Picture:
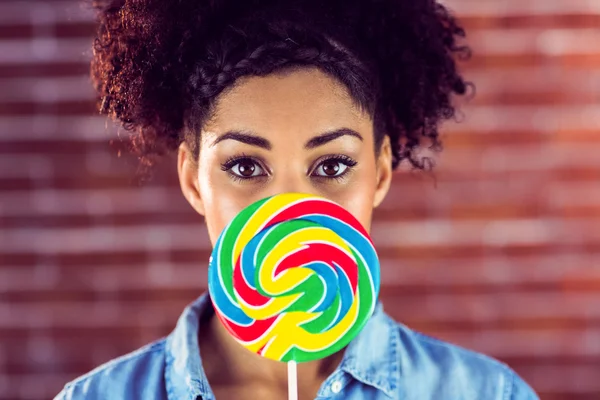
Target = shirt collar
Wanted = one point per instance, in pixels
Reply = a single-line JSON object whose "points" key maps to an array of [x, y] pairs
{"points": [[184, 375], [371, 358]]}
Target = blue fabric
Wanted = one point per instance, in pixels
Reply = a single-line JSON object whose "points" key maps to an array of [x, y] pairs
{"points": [[386, 360]]}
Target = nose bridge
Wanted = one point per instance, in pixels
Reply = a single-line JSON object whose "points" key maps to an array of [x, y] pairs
{"points": [[291, 177], [292, 182]]}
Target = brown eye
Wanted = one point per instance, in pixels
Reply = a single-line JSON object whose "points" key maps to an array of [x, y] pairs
{"points": [[243, 168], [331, 167], [246, 168], [334, 167]]}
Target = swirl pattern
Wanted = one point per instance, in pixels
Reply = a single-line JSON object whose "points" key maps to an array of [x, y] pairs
{"points": [[294, 277]]}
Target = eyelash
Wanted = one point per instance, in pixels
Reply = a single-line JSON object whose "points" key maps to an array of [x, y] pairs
{"points": [[232, 161]]}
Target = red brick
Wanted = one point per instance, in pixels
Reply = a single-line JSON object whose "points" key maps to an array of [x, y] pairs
{"points": [[499, 253], [516, 7], [45, 49]]}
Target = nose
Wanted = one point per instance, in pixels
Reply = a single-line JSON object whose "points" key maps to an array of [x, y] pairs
{"points": [[292, 181]]}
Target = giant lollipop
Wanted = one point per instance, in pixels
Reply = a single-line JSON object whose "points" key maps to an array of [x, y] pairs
{"points": [[294, 277]]}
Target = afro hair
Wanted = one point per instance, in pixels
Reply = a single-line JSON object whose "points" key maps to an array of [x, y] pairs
{"points": [[159, 65]]}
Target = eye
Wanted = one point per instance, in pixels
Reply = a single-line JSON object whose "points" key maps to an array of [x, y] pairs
{"points": [[243, 167], [334, 167]]}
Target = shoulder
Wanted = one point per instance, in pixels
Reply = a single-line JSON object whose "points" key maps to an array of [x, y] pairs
{"points": [[137, 375], [443, 368]]}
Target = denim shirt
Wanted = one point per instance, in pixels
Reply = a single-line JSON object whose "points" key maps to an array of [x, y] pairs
{"points": [[386, 360]]}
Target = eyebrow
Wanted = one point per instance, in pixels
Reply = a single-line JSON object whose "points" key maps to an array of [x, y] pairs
{"points": [[253, 139]]}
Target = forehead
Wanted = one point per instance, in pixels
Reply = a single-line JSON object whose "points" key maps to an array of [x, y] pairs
{"points": [[299, 102]]}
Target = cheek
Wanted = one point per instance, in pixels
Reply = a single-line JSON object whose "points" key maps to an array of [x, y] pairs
{"points": [[358, 197], [361, 206], [220, 210], [221, 203]]}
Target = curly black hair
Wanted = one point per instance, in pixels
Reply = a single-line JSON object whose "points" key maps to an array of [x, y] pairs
{"points": [[159, 65]]}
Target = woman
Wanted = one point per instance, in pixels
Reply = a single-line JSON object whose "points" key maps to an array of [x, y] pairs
{"points": [[262, 97]]}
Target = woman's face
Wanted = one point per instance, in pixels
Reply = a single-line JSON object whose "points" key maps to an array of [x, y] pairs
{"points": [[293, 132]]}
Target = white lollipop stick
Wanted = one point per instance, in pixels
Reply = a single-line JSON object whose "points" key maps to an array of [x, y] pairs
{"points": [[292, 381]]}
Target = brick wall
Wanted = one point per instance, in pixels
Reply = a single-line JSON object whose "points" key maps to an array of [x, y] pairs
{"points": [[503, 256]]}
